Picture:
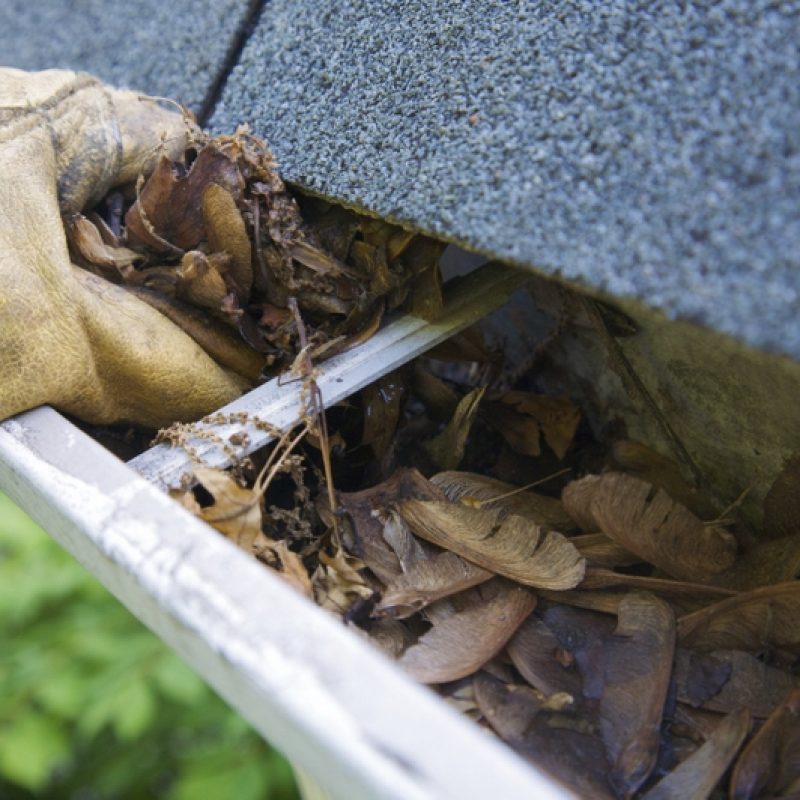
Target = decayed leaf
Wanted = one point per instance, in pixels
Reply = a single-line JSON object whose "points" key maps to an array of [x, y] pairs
{"points": [[782, 503], [337, 582], [289, 565], [695, 777], [762, 618], [447, 449], [661, 531], [770, 764], [510, 546], [428, 580], [489, 492], [533, 650], [462, 642], [574, 758], [236, 511], [521, 417], [638, 663], [726, 680]]}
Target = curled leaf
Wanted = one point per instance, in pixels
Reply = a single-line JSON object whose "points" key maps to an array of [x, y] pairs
{"points": [[428, 580], [655, 527], [461, 642], [236, 511], [510, 546]]}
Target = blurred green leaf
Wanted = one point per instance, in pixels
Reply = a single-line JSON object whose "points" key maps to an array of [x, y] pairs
{"points": [[93, 705], [30, 749]]}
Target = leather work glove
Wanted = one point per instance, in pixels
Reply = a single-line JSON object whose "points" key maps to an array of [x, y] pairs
{"points": [[68, 337]]}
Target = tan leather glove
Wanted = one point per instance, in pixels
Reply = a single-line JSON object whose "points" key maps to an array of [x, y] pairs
{"points": [[67, 337]]}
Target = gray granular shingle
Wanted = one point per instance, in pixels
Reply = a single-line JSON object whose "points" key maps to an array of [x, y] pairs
{"points": [[173, 48], [647, 149]]}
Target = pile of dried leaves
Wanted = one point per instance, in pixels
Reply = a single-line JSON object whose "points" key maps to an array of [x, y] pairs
{"points": [[603, 625], [217, 244], [611, 626]]}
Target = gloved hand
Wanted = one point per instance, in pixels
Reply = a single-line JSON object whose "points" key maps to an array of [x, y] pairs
{"points": [[67, 337]]}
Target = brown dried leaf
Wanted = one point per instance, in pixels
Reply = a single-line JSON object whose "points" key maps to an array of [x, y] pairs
{"points": [[236, 511], [755, 620], [646, 464], [695, 777], [533, 650], [598, 578], [368, 508], [168, 213], [574, 758], [599, 549], [337, 582], [458, 645], [226, 233], [638, 663], [439, 398], [391, 636], [200, 279], [766, 563], [770, 764], [289, 565], [89, 244], [782, 503], [726, 680], [382, 401], [661, 531], [447, 449], [510, 546], [428, 580], [538, 508], [520, 417]]}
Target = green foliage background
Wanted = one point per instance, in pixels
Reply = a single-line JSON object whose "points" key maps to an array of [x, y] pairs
{"points": [[94, 707]]}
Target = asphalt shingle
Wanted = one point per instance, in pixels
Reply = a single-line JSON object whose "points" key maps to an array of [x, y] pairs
{"points": [[645, 149]]}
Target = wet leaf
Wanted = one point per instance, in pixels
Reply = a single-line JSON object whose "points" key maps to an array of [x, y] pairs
{"points": [[726, 680], [696, 777], [510, 546], [782, 503], [236, 511], [447, 449], [661, 531], [522, 417], [756, 620], [428, 580], [638, 662], [770, 764], [460, 643], [489, 492]]}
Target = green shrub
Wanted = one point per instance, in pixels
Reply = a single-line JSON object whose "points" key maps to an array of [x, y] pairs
{"points": [[94, 707]]}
